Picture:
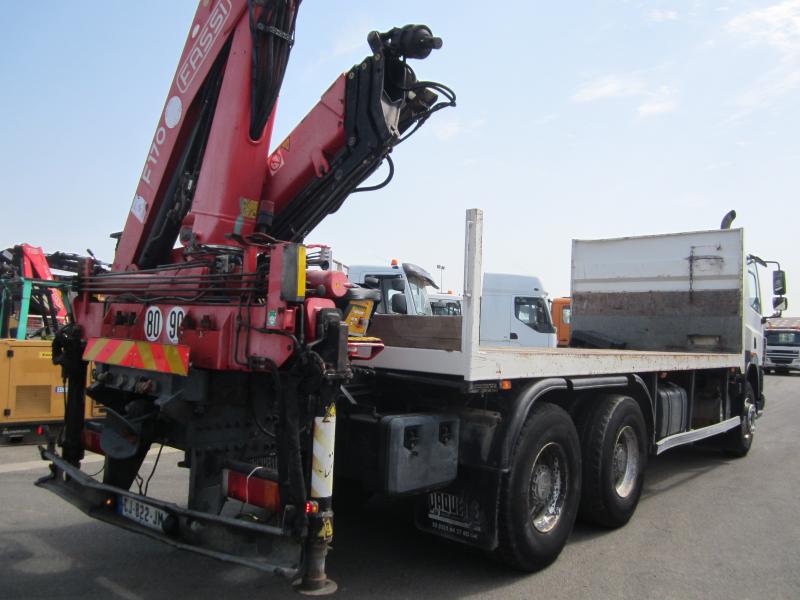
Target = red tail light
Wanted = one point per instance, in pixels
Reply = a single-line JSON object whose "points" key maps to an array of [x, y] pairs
{"points": [[251, 490], [91, 441]]}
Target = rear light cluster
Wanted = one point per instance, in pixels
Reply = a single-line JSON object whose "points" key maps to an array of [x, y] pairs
{"points": [[251, 489], [91, 441]]}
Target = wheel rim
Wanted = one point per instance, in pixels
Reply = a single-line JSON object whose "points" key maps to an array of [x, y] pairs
{"points": [[748, 419], [548, 487], [626, 461]]}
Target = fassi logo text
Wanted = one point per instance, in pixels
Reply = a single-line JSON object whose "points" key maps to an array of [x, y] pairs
{"points": [[197, 55]]}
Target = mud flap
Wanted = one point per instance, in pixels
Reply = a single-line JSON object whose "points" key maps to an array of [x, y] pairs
{"points": [[465, 511]]}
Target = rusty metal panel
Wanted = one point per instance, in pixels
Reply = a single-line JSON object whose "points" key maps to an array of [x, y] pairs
{"points": [[413, 331], [707, 321]]}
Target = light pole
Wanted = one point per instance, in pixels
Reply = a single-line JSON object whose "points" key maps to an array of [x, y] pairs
{"points": [[441, 276]]}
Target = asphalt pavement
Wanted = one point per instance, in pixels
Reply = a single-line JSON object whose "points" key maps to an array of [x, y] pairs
{"points": [[707, 526]]}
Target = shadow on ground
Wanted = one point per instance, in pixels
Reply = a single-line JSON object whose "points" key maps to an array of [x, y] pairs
{"points": [[377, 552]]}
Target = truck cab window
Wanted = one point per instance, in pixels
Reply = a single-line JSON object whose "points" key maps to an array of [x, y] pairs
{"points": [[783, 338], [566, 314], [416, 287], [387, 291], [533, 312], [753, 289]]}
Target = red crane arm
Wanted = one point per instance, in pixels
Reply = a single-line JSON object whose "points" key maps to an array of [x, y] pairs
{"points": [[206, 164]]}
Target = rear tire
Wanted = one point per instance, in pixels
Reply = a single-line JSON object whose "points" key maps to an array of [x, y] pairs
{"points": [[539, 497], [614, 446]]}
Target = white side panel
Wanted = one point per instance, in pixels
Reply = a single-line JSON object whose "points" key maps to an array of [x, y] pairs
{"points": [[515, 363], [704, 260], [421, 360]]}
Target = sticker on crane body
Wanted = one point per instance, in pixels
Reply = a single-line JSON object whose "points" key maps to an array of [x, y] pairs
{"points": [[326, 530], [153, 323], [275, 162], [173, 112], [174, 320], [139, 208]]}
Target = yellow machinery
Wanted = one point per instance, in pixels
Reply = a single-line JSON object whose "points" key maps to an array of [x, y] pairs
{"points": [[31, 389]]}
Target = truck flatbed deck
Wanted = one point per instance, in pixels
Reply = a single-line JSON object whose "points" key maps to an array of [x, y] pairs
{"points": [[489, 362], [451, 346], [515, 363]]}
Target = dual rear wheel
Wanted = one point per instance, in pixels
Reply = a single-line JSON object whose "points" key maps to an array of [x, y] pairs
{"points": [[559, 471]]}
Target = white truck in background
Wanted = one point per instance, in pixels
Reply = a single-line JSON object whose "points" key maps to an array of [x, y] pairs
{"points": [[514, 310], [403, 287], [783, 345], [446, 305]]}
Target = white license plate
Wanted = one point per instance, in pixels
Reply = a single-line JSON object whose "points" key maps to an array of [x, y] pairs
{"points": [[147, 515]]}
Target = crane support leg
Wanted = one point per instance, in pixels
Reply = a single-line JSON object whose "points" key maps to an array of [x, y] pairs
{"points": [[67, 352], [320, 508]]}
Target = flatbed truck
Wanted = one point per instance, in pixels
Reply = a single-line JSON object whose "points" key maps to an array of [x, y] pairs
{"points": [[546, 434], [218, 331]]}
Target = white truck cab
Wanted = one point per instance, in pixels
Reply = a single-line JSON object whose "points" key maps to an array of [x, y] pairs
{"points": [[783, 345], [514, 312], [446, 304], [403, 287]]}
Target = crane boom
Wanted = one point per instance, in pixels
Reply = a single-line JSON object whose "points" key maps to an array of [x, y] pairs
{"points": [[217, 331]]}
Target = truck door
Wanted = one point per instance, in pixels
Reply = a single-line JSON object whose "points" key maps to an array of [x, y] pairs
{"points": [[753, 309], [530, 324], [495, 309]]}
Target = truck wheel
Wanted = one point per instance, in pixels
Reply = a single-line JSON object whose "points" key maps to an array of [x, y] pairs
{"points": [[614, 447], [737, 441], [539, 498]]}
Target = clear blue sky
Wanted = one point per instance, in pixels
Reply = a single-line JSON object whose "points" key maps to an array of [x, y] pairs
{"points": [[574, 120]]}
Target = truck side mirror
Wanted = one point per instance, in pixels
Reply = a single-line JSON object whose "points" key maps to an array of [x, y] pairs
{"points": [[780, 304], [778, 282], [399, 305], [399, 285]]}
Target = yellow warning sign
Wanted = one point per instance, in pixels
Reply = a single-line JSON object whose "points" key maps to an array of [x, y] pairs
{"points": [[326, 531], [248, 208]]}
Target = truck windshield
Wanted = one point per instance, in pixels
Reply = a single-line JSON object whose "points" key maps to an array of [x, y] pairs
{"points": [[449, 308], [533, 312], [416, 287], [783, 338]]}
